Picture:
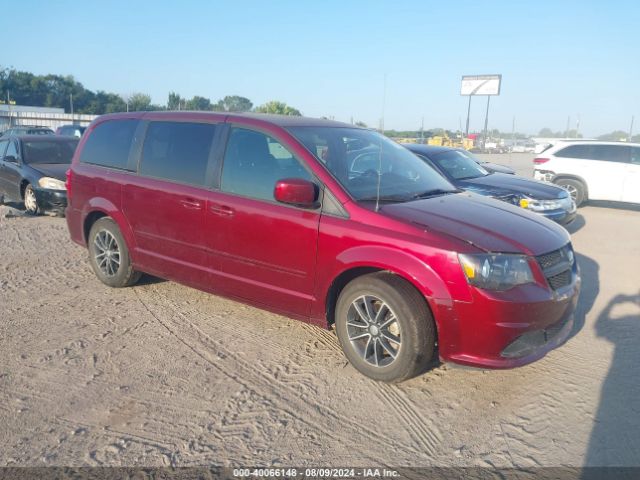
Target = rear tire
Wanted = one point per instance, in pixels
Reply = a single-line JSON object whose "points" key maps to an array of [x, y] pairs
{"points": [[385, 327], [575, 188], [109, 255]]}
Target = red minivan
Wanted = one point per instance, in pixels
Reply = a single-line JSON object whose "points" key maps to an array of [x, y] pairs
{"points": [[328, 223]]}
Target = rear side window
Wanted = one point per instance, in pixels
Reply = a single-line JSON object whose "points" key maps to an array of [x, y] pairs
{"points": [[635, 155], [109, 144], [575, 151], [177, 151], [611, 153]]}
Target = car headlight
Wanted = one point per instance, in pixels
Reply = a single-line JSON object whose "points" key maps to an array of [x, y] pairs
{"points": [[545, 205], [499, 271], [52, 183]]}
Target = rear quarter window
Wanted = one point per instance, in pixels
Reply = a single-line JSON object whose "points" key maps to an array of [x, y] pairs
{"points": [[177, 151], [575, 151], [109, 144]]}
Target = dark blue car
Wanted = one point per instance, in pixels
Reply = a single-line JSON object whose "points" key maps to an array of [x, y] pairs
{"points": [[32, 170], [465, 173]]}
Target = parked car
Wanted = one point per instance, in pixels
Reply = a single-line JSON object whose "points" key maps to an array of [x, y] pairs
{"points": [[489, 166], [547, 200], [592, 170], [71, 130], [27, 130], [32, 169], [269, 210]]}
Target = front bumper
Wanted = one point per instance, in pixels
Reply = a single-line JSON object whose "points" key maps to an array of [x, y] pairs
{"points": [[51, 199], [507, 329], [563, 217]]}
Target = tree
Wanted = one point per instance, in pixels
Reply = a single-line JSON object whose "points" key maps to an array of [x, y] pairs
{"points": [[139, 102], [174, 102], [234, 103], [547, 132], [361, 124], [278, 108], [199, 103], [614, 136]]}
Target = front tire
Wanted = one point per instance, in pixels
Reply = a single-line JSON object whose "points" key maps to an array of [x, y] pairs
{"points": [[30, 201], [109, 255], [575, 188], [385, 327]]}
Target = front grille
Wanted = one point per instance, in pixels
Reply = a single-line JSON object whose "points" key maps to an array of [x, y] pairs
{"points": [[550, 259], [558, 266], [560, 280]]}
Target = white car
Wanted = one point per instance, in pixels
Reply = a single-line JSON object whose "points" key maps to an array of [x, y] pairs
{"points": [[592, 170]]}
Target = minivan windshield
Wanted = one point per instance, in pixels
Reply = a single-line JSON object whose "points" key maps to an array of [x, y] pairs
{"points": [[43, 151], [370, 166], [459, 165]]}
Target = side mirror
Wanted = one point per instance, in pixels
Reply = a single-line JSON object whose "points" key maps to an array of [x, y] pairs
{"points": [[10, 159], [296, 191]]}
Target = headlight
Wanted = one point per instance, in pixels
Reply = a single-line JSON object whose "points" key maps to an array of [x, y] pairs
{"points": [[51, 183], [498, 271], [546, 205]]}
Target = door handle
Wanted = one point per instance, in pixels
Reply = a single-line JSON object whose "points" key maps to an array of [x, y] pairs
{"points": [[191, 204], [222, 210]]}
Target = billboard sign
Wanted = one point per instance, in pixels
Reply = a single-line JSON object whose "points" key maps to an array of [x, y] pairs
{"points": [[480, 85]]}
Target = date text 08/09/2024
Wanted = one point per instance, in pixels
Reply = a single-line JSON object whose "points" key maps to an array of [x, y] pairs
{"points": [[314, 473]]}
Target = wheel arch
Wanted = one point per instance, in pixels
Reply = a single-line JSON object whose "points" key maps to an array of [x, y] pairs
{"points": [[99, 208], [569, 176], [416, 273]]}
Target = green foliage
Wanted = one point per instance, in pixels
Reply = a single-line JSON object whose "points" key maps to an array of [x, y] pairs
{"points": [[548, 133], [615, 136], [139, 102], [199, 103], [278, 108], [234, 103]]}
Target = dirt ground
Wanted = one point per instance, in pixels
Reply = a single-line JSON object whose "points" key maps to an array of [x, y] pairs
{"points": [[162, 374]]}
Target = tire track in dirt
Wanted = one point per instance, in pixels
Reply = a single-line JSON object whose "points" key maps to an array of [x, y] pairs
{"points": [[426, 435], [307, 412]]}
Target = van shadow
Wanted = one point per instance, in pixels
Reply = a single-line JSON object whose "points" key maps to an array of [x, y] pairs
{"points": [[615, 438], [576, 225], [147, 279], [589, 290]]}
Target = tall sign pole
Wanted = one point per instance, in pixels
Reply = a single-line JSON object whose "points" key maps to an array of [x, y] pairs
{"points": [[480, 85], [466, 132], [486, 123]]}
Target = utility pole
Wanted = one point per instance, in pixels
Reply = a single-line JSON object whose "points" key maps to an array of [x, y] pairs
{"points": [[578, 126], [566, 132], [631, 128]]}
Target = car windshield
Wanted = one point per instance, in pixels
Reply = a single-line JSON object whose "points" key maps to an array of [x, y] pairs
{"points": [[370, 166], [459, 165], [49, 152]]}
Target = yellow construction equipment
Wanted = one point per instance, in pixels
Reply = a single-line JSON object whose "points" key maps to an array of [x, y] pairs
{"points": [[446, 141]]}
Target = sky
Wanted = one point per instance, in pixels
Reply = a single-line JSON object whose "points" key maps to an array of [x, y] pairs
{"points": [[349, 59]]}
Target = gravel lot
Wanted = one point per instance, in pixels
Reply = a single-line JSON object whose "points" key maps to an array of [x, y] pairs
{"points": [[161, 374]]}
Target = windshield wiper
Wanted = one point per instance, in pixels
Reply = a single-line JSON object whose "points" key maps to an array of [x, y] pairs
{"points": [[433, 193], [385, 199]]}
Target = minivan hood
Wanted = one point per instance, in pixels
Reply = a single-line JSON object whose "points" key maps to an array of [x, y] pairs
{"points": [[53, 170], [503, 183], [489, 224]]}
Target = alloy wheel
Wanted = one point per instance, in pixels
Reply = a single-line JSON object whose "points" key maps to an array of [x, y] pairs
{"points": [[373, 330], [30, 201], [107, 253]]}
